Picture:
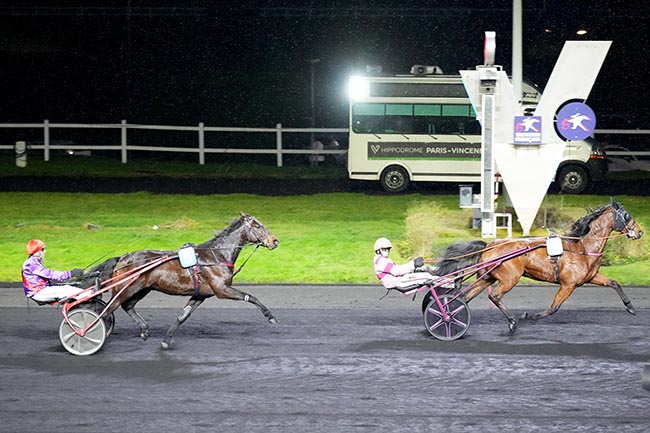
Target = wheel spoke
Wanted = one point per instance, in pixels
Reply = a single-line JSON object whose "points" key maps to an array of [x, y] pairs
{"points": [[459, 323], [93, 340], [436, 325], [68, 335], [435, 312]]}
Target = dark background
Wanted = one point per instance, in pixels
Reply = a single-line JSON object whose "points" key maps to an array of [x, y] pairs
{"points": [[246, 63]]}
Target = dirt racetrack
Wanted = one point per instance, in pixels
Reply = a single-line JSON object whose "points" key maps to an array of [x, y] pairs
{"points": [[341, 360]]}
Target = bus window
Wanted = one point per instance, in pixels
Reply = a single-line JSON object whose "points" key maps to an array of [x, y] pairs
{"points": [[399, 119], [424, 120], [368, 118], [449, 119]]}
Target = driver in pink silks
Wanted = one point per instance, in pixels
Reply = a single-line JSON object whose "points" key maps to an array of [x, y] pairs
{"points": [[393, 275], [36, 277]]}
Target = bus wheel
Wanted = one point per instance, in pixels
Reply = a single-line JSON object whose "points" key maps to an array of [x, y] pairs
{"points": [[572, 179], [394, 179]]}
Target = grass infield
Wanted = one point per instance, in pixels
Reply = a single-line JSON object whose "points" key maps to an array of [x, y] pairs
{"points": [[324, 238]]}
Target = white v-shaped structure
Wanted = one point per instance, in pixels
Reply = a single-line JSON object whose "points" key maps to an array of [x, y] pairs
{"points": [[528, 170]]}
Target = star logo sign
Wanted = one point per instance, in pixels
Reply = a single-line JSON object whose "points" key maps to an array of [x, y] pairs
{"points": [[575, 121], [528, 124]]}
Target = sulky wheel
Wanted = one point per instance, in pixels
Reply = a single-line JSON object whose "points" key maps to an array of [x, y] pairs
{"points": [[97, 305], [458, 317], [92, 340], [426, 299]]}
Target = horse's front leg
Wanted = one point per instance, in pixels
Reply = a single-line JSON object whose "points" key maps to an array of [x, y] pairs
{"points": [[602, 280], [191, 305], [238, 295], [562, 295]]}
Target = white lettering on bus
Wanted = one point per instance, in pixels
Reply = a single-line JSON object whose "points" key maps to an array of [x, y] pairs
{"points": [[466, 150], [403, 149]]}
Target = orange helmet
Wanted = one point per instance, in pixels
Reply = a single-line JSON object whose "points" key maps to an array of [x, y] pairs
{"points": [[34, 246]]}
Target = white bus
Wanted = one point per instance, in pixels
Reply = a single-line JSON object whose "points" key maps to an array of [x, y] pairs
{"points": [[423, 128]]}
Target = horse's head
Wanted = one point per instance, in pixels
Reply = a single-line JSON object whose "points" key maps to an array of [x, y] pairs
{"points": [[623, 221], [257, 233]]}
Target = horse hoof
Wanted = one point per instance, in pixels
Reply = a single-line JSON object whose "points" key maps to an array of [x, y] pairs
{"points": [[630, 309], [274, 320], [525, 316], [165, 345], [512, 326], [144, 335]]}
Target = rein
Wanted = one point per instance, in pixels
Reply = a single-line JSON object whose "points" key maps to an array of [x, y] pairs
{"points": [[217, 263], [540, 237], [230, 265]]}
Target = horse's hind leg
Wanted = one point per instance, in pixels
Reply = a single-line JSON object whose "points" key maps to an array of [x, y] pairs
{"points": [[506, 283], [139, 320], [129, 307], [602, 280], [477, 287], [512, 322], [191, 305]]}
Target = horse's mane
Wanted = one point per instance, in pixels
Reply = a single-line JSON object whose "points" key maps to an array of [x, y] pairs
{"points": [[234, 225], [582, 226]]}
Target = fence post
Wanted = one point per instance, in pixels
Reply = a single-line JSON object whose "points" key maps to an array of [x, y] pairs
{"points": [[21, 154], [201, 144], [46, 140], [278, 143], [123, 141]]}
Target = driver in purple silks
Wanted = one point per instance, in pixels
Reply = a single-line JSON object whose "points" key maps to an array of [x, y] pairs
{"points": [[36, 277], [393, 275]]}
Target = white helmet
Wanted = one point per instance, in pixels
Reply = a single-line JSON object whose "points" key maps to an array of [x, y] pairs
{"points": [[382, 243]]}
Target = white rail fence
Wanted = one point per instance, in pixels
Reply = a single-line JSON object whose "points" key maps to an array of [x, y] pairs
{"points": [[268, 146], [272, 147]]}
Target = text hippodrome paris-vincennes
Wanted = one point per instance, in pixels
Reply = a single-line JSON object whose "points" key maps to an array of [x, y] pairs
{"points": [[435, 150]]}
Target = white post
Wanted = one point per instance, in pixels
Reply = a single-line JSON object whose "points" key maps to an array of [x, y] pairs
{"points": [[517, 50], [488, 221], [201, 144], [46, 140], [123, 141], [21, 154], [278, 143], [487, 90]]}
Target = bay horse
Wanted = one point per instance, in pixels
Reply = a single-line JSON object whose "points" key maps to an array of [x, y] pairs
{"points": [[507, 260], [212, 275]]}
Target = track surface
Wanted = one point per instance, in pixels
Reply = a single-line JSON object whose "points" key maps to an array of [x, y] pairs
{"points": [[339, 361]]}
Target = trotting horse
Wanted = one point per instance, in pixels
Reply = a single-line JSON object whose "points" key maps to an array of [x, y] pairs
{"points": [[212, 275], [578, 264]]}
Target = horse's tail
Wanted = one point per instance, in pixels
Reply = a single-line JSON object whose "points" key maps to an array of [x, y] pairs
{"points": [[460, 255], [101, 272]]}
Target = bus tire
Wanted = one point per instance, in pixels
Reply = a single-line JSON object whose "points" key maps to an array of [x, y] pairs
{"points": [[394, 179], [572, 179]]}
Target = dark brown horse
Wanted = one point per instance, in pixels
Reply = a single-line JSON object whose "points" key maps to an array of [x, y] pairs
{"points": [[578, 264], [212, 275]]}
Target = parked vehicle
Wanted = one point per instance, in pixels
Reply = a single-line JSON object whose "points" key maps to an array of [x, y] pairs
{"points": [[422, 127]]}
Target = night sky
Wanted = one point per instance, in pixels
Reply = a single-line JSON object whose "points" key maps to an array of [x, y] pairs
{"points": [[246, 63]]}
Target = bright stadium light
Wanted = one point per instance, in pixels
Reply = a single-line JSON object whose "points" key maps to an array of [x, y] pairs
{"points": [[358, 87]]}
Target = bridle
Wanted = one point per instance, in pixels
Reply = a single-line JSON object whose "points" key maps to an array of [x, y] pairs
{"points": [[254, 230], [623, 221]]}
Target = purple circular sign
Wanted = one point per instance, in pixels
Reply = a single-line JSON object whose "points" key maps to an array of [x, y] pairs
{"points": [[576, 121]]}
